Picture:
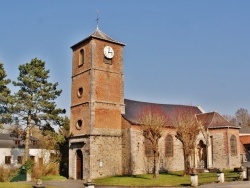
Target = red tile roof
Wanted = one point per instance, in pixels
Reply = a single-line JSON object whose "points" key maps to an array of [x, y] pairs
{"points": [[133, 109], [245, 139], [214, 120], [209, 120]]}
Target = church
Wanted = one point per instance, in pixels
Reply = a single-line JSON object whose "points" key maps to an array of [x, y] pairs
{"points": [[106, 138]]}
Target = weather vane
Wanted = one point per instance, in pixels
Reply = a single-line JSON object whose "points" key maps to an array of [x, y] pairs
{"points": [[97, 18]]}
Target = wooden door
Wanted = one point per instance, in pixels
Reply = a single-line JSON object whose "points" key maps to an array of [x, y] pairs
{"points": [[79, 165]]}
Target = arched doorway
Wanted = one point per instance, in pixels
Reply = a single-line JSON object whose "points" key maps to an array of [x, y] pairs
{"points": [[79, 164], [201, 155]]}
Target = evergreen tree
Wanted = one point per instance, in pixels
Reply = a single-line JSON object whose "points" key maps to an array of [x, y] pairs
{"points": [[34, 102], [5, 97]]}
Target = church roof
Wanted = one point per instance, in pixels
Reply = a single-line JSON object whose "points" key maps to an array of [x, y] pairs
{"points": [[209, 120], [98, 34], [214, 120], [133, 109]]}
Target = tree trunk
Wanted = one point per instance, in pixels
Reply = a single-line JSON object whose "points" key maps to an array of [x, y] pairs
{"points": [[186, 163], [27, 139], [156, 164]]}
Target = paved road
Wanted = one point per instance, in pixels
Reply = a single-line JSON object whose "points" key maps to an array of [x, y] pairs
{"points": [[79, 184]]}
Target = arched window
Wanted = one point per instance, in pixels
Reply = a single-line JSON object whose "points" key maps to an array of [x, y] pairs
{"points": [[148, 148], [233, 145], [169, 149], [81, 58]]}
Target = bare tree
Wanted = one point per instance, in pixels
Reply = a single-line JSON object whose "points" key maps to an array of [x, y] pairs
{"points": [[153, 119], [230, 118], [242, 117], [187, 130]]}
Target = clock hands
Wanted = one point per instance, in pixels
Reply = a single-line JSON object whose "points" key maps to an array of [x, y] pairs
{"points": [[108, 52]]}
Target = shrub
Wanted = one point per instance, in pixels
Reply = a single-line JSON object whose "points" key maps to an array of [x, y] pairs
{"points": [[37, 172], [51, 169], [45, 170], [7, 173]]}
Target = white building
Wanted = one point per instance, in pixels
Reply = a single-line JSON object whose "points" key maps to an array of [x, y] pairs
{"points": [[12, 151]]}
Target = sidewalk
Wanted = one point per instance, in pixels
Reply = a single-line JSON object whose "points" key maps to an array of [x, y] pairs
{"points": [[79, 184]]}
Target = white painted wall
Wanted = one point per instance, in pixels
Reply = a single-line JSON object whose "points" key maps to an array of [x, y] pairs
{"points": [[15, 152]]}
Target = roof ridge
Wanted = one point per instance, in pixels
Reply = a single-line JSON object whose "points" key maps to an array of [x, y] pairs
{"points": [[211, 120], [166, 104]]}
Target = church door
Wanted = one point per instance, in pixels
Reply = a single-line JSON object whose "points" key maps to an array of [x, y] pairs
{"points": [[79, 165]]}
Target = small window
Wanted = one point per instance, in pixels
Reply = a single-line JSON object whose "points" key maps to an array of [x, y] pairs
{"points": [[33, 142], [20, 159], [233, 145], [17, 142], [148, 148], [7, 159], [169, 146], [79, 124], [32, 158], [80, 92], [81, 58]]}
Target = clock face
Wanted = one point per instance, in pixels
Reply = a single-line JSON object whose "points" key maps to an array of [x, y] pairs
{"points": [[108, 52]]}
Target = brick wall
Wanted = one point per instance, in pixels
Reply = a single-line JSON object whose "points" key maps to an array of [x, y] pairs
{"points": [[222, 157]]}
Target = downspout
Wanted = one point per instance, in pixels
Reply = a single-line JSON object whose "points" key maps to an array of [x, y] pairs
{"points": [[207, 150], [228, 151]]}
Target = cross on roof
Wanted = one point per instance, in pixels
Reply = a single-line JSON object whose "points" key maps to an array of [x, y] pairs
{"points": [[97, 18]]}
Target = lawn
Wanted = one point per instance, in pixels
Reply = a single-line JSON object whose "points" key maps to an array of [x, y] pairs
{"points": [[17, 184], [24, 185], [168, 179]]}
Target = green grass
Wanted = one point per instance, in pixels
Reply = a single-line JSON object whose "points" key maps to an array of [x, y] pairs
{"points": [[25, 185], [48, 178], [168, 179], [14, 185], [17, 184]]}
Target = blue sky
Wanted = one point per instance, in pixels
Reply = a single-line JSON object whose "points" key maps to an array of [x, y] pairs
{"points": [[191, 52]]}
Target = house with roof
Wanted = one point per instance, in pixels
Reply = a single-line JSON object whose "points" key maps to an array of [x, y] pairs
{"points": [[244, 135], [12, 151], [106, 138]]}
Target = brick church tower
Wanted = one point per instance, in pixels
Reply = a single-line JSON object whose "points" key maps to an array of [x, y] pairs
{"points": [[97, 105]]}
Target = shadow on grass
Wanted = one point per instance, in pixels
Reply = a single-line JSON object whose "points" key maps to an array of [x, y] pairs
{"points": [[134, 176], [185, 185], [173, 174]]}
